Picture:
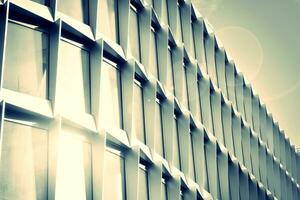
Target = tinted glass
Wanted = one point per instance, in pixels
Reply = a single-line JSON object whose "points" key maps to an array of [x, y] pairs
{"points": [[26, 70], [23, 171], [74, 78], [143, 184], [158, 131], [153, 55]]}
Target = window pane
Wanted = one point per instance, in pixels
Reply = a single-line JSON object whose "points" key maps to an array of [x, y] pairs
{"points": [[114, 184], [138, 109], [74, 167], [159, 133], [108, 19], [26, 71], [153, 56], [74, 78], [78, 9], [170, 86], [110, 101], [165, 12], [134, 42], [23, 171], [143, 184], [176, 145], [179, 30]]}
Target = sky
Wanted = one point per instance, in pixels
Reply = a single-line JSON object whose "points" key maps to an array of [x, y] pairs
{"points": [[263, 38]]}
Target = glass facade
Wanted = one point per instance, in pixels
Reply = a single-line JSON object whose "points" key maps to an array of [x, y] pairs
{"points": [[76, 107], [33, 63]]}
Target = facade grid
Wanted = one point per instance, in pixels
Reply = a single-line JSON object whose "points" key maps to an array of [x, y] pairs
{"points": [[131, 99]]}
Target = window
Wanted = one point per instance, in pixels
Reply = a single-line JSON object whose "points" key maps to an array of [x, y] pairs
{"points": [[23, 171], [114, 183], [78, 9], [74, 78], [134, 40], [26, 71], [179, 30], [143, 183], [170, 84], [176, 144], [138, 110], [153, 56], [159, 133], [110, 100], [74, 167], [164, 12], [108, 18], [185, 88]]}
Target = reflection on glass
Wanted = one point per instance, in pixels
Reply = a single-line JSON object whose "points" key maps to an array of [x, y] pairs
{"points": [[74, 167], [158, 131], [23, 171], [26, 70], [78, 9], [108, 19], [185, 89], [110, 100], [74, 78], [134, 42], [138, 109], [114, 183], [153, 55], [143, 184]]}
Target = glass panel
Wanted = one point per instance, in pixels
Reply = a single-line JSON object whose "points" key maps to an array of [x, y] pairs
{"points": [[108, 18], [185, 89], [165, 12], [176, 145], [23, 171], [159, 133], [143, 184], [134, 42], [114, 183], [78, 9], [26, 71], [110, 100], [74, 167], [179, 30], [74, 78], [170, 84], [153, 55], [138, 109]]}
